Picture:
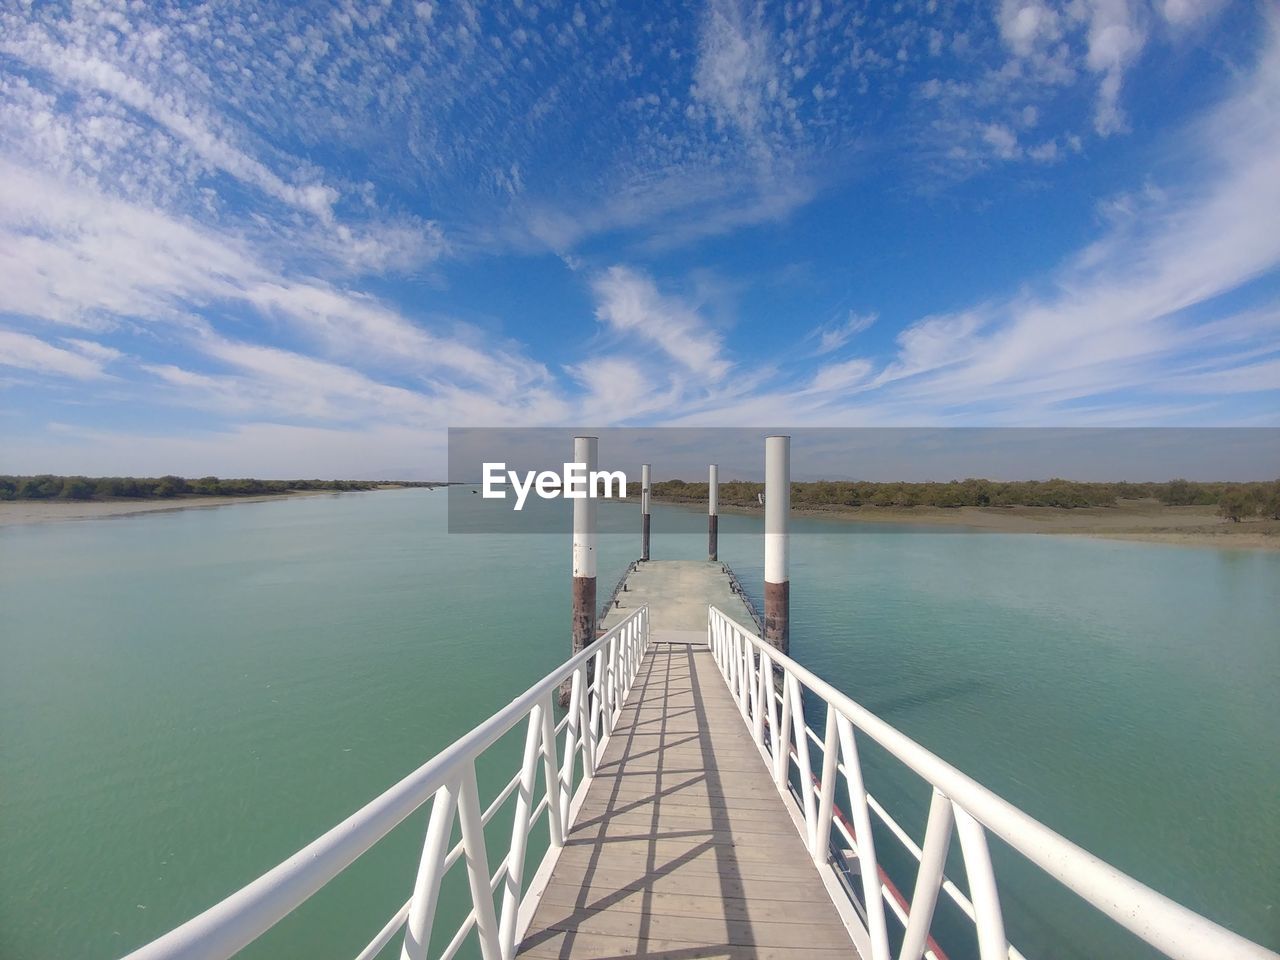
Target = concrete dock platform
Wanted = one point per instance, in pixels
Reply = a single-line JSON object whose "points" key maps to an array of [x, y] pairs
{"points": [[678, 593]]}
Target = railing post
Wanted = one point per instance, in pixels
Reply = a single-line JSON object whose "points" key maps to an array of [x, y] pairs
{"points": [[827, 789], [802, 760], [611, 681], [753, 697], [628, 653], [597, 699], [735, 667], [782, 736], [764, 695], [426, 888], [624, 666], [477, 858], [585, 726], [725, 637], [632, 660], [933, 861], [551, 775], [992, 944], [570, 750], [868, 865], [520, 834]]}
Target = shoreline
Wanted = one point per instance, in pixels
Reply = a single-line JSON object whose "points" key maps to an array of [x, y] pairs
{"points": [[1133, 521]]}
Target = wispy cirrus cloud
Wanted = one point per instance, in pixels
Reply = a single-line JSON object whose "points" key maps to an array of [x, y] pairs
{"points": [[73, 64], [832, 336], [629, 303], [78, 359], [76, 257], [737, 77]]}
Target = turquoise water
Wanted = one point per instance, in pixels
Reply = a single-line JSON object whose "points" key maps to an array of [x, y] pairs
{"points": [[187, 698]]}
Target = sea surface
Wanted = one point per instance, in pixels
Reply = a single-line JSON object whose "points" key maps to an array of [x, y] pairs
{"points": [[187, 698]]}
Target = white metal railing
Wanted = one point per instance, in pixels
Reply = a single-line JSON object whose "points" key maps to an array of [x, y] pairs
{"points": [[450, 778], [753, 671]]}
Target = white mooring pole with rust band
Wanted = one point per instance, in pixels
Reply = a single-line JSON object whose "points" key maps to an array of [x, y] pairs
{"points": [[584, 555], [644, 511], [777, 517], [713, 513]]}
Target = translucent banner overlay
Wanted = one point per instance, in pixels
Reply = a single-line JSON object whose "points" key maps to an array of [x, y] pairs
{"points": [[838, 470]]}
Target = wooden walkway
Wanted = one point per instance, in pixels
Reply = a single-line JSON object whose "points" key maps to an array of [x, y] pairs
{"points": [[683, 848]]}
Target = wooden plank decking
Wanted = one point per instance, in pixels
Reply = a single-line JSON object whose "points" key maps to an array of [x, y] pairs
{"points": [[683, 848]]}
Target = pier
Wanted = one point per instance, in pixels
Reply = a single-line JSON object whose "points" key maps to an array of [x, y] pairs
{"points": [[690, 809], [683, 847]]}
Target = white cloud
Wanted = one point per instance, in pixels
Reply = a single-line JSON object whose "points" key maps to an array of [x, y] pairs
{"points": [[620, 390], [833, 336], [1026, 25], [630, 303], [934, 343], [26, 352], [1002, 141], [1046, 152], [1184, 13], [1257, 377], [1116, 37], [1051, 43], [77, 67], [841, 376], [91, 348], [71, 255], [735, 76]]}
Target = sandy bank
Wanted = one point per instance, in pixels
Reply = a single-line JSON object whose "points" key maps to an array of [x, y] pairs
{"points": [[1145, 520], [14, 512]]}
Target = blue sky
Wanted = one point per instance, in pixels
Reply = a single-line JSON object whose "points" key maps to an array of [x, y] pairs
{"points": [[298, 241]]}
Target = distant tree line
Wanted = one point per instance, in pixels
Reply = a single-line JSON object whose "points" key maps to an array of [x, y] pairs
{"points": [[49, 487], [1235, 500]]}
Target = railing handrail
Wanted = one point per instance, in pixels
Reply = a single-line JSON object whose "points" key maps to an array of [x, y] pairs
{"points": [[235, 922], [1161, 922]]}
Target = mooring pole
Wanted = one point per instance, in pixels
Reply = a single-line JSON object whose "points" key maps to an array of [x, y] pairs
{"points": [[644, 512], [584, 559], [777, 515], [713, 514]]}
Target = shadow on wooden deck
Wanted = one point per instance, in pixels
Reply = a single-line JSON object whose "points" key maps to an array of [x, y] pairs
{"points": [[683, 848]]}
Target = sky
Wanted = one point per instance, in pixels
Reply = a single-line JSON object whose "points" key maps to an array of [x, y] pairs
{"points": [[305, 239]]}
